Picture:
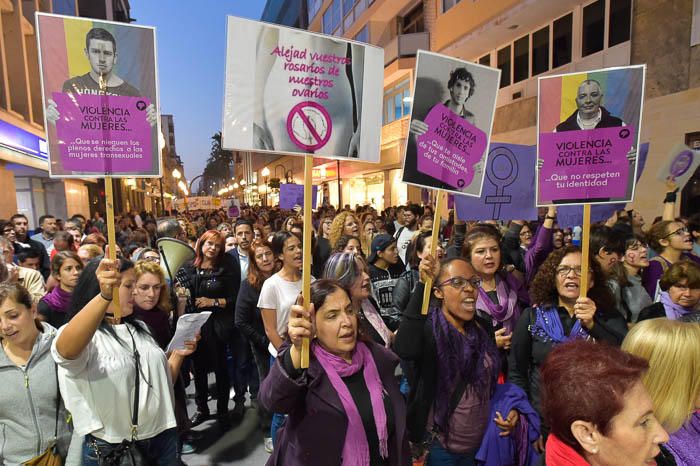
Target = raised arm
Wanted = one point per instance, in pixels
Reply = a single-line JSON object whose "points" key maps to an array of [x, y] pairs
{"points": [[81, 328], [669, 213]]}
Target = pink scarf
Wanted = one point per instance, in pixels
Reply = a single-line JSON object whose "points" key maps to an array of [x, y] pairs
{"points": [[376, 321], [560, 454], [356, 448]]}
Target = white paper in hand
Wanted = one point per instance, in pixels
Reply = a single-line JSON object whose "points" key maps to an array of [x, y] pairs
{"points": [[187, 327]]}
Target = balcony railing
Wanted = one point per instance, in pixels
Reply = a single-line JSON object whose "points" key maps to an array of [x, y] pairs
{"points": [[406, 45]]}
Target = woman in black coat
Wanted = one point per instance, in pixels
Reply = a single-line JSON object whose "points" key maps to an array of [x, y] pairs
{"points": [[249, 321], [211, 280], [560, 316]]}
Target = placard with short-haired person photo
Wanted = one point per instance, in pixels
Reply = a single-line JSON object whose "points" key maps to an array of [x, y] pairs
{"points": [[588, 135]]}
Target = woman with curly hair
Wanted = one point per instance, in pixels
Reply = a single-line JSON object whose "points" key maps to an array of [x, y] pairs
{"points": [[560, 314], [345, 223]]}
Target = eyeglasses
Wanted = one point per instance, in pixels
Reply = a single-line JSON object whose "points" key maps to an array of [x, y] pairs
{"points": [[525, 233], [461, 282], [565, 270], [155, 259], [680, 232]]}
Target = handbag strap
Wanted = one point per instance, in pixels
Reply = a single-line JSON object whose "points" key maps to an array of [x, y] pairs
{"points": [[137, 379], [58, 403]]}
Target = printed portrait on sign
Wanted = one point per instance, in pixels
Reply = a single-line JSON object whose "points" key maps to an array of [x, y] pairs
{"points": [[588, 136], [451, 118], [295, 92], [100, 95]]}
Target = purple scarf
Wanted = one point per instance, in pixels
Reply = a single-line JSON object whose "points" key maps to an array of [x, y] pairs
{"points": [[58, 299], [356, 448], [548, 327], [461, 357], [507, 310], [673, 311]]}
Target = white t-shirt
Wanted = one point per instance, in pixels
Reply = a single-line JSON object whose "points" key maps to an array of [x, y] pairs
{"points": [[402, 242], [279, 294], [98, 387]]}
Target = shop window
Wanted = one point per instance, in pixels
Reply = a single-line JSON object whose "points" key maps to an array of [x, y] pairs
{"points": [[503, 63], [619, 22], [562, 40], [521, 59], [540, 51], [447, 4], [593, 28], [485, 60]]}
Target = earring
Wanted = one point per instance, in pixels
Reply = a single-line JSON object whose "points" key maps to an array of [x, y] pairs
{"points": [[594, 451]]}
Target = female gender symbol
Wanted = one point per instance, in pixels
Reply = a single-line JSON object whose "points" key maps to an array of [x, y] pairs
{"points": [[501, 182]]}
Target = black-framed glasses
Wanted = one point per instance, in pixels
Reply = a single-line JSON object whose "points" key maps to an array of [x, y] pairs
{"points": [[461, 282], [565, 270], [637, 245], [680, 232]]}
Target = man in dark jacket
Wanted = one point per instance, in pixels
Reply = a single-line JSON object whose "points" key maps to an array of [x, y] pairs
{"points": [[24, 243], [589, 114]]}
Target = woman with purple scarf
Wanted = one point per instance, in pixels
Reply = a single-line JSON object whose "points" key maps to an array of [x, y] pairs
{"points": [[558, 315], [346, 408], [680, 292], [502, 291], [456, 366], [66, 267]]}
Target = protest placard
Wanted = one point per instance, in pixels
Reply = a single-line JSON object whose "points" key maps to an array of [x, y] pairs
{"points": [[296, 92], [509, 186], [292, 195], [100, 97], [453, 106], [588, 136], [680, 164]]}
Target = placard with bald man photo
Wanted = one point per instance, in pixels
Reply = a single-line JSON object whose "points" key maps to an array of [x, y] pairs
{"points": [[588, 136]]}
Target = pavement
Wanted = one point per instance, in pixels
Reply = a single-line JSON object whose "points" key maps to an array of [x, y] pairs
{"points": [[240, 443]]}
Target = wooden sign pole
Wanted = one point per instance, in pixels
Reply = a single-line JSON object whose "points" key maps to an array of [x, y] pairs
{"points": [[440, 199], [111, 239], [585, 250], [306, 267]]}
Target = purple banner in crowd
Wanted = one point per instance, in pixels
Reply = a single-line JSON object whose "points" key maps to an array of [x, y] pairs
{"points": [[293, 194], [584, 165], [509, 186], [104, 134], [572, 215], [451, 147]]}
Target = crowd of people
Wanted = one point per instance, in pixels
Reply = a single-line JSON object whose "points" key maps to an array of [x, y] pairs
{"points": [[511, 365]]}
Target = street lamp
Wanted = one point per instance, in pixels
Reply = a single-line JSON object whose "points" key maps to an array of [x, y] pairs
{"points": [[176, 174], [265, 172]]}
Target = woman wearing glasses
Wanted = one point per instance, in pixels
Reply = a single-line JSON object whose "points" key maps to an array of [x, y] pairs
{"points": [[456, 369], [673, 242], [561, 315], [679, 292]]}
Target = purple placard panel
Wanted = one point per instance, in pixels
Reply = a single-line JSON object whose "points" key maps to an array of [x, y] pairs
{"points": [[293, 194], [451, 147], [104, 134], [509, 186], [585, 165], [572, 215]]}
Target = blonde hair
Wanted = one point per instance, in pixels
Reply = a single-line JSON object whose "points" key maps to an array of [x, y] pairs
{"points": [[338, 226], [673, 379], [143, 267]]}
